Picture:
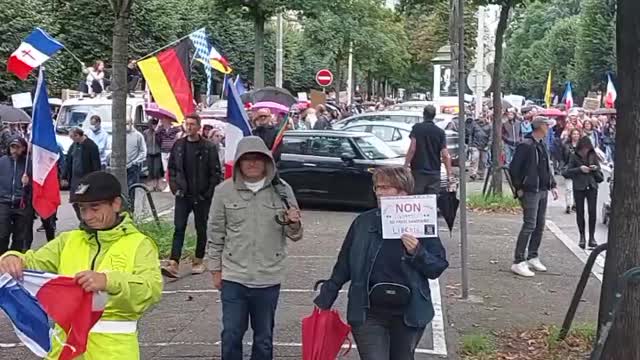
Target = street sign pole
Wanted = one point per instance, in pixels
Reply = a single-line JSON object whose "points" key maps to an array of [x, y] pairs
{"points": [[350, 75], [479, 61], [463, 153]]}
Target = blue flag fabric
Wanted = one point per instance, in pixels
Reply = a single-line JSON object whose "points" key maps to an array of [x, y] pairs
{"points": [[29, 320]]}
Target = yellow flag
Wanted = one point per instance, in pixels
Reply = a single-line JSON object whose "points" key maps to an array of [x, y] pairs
{"points": [[547, 94]]}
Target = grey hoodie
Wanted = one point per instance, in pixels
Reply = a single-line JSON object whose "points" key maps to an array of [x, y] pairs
{"points": [[245, 241]]}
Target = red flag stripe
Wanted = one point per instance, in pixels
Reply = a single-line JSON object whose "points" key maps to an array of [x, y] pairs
{"points": [[176, 70]]}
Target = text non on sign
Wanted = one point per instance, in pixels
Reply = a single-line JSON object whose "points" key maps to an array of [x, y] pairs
{"points": [[416, 215]]}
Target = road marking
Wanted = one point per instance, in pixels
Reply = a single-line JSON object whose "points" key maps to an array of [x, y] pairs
{"points": [[218, 343], [312, 257], [214, 291], [437, 324], [583, 255], [275, 343]]}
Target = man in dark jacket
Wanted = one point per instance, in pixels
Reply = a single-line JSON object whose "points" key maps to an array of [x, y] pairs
{"points": [[83, 158], [511, 134], [16, 212], [532, 177], [479, 143], [194, 172]]}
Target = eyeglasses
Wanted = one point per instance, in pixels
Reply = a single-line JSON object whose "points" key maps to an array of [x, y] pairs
{"points": [[382, 187]]}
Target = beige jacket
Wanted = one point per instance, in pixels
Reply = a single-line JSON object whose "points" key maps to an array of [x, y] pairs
{"points": [[245, 241]]}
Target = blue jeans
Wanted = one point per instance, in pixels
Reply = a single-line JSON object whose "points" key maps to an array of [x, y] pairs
{"points": [[241, 304], [509, 150], [534, 212]]}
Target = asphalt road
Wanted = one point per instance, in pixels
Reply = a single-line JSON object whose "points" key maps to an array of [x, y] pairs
{"points": [[186, 324]]}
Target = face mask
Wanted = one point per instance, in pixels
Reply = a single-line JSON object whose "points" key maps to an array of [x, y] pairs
{"points": [[95, 127], [129, 127]]}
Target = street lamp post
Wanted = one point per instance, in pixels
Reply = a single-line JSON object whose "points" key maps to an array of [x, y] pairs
{"points": [[464, 252], [279, 50]]}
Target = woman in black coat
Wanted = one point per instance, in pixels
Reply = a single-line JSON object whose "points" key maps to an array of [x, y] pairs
{"points": [[389, 303], [584, 170], [568, 149]]}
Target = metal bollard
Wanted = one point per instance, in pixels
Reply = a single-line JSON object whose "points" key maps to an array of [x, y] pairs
{"points": [[577, 295], [152, 205]]}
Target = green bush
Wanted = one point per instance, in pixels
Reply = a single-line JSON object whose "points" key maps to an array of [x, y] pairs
{"points": [[162, 234], [477, 344], [492, 202]]}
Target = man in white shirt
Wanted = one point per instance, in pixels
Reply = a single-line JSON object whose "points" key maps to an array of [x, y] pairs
{"points": [[136, 154], [100, 137]]}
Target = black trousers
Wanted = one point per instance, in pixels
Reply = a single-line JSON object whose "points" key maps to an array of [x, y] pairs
{"points": [[184, 207], [49, 225], [426, 184], [16, 228], [591, 195]]}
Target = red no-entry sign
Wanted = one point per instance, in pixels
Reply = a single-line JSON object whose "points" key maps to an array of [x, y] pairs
{"points": [[324, 77]]}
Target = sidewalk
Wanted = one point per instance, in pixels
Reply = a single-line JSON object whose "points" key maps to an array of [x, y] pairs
{"points": [[499, 299]]}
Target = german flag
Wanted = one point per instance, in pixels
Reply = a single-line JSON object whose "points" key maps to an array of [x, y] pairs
{"points": [[168, 75]]}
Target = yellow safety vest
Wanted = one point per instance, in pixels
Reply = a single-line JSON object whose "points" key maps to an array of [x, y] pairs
{"points": [[115, 336]]}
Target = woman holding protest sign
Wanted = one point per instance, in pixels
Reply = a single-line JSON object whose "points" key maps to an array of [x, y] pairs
{"points": [[389, 297]]}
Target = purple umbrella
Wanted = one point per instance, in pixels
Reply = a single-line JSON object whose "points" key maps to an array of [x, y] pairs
{"points": [[275, 107], [155, 111]]}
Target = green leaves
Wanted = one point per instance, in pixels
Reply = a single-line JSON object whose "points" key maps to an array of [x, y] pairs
{"points": [[595, 49], [574, 41]]}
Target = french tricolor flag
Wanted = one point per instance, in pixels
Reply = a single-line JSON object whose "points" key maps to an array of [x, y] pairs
{"points": [[39, 296], [37, 48], [237, 127], [568, 97], [46, 187]]}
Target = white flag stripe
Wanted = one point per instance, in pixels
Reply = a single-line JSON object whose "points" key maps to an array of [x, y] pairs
{"points": [[43, 161], [30, 55], [233, 135]]}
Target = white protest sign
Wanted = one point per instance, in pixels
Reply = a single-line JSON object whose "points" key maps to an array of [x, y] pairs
{"points": [[21, 100], [416, 215], [302, 96]]}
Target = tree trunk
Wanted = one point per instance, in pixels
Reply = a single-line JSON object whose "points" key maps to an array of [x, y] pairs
{"points": [[623, 252], [119, 90], [369, 86], [496, 148], [258, 70]]}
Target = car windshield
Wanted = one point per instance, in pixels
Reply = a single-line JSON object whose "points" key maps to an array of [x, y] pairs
{"points": [[375, 149], [76, 115]]}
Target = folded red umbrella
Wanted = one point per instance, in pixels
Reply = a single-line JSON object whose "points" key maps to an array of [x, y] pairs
{"points": [[323, 334]]}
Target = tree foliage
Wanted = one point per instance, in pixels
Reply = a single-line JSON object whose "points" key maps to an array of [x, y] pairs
{"points": [[595, 55], [427, 25], [541, 37]]}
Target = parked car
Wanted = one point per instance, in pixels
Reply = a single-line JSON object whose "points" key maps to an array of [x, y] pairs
{"points": [[444, 121], [396, 135], [412, 105], [334, 167]]}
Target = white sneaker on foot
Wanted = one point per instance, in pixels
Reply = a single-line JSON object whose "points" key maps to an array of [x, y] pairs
{"points": [[522, 269], [537, 265]]}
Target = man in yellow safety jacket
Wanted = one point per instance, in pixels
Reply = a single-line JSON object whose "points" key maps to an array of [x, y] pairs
{"points": [[106, 254]]}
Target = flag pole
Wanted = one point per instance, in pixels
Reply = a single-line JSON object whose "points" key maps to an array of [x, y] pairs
{"points": [[74, 56], [166, 46]]}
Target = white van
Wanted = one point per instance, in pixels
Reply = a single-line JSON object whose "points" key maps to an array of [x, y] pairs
{"points": [[77, 112]]}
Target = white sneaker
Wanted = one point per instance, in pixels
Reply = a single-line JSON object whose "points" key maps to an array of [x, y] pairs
{"points": [[537, 265], [522, 269]]}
